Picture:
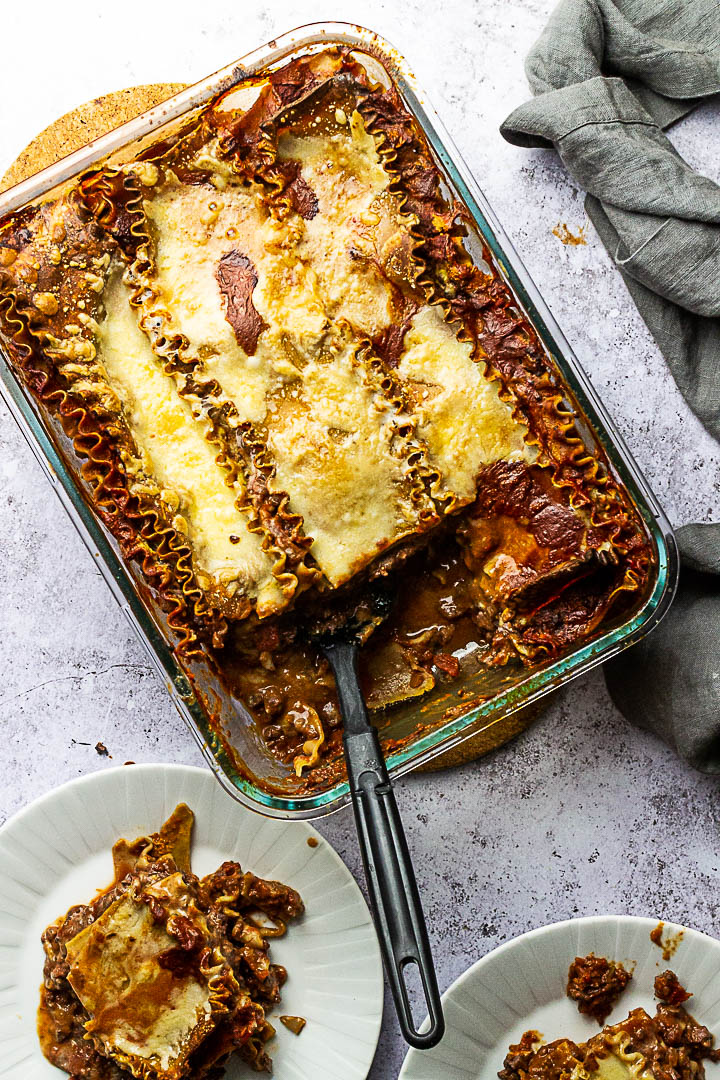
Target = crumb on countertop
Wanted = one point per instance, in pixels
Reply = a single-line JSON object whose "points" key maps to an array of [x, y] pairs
{"points": [[566, 237]]}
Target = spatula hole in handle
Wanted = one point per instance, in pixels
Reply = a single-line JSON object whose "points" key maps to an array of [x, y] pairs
{"points": [[419, 1002], [414, 991]]}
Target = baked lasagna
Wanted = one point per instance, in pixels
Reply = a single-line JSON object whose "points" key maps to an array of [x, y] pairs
{"points": [[283, 363], [164, 976], [671, 1045]]}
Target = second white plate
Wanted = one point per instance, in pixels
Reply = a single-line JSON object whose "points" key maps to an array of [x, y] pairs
{"points": [[521, 986], [57, 852]]}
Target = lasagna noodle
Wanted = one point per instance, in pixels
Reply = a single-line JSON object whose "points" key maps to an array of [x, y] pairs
{"points": [[239, 453], [461, 416], [54, 266], [194, 227], [619, 1066], [334, 441], [360, 227], [175, 451], [349, 239], [331, 439], [480, 302], [116, 972]]}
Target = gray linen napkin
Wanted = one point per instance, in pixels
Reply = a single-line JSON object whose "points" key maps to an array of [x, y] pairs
{"points": [[608, 76]]}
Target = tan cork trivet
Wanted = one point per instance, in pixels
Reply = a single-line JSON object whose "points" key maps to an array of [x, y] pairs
{"points": [[96, 118], [82, 125]]}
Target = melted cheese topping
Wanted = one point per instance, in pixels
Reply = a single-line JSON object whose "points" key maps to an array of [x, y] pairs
{"points": [[191, 226], [195, 227], [137, 1008], [175, 451], [461, 416], [330, 441], [319, 292], [614, 1068], [344, 171], [332, 447]]}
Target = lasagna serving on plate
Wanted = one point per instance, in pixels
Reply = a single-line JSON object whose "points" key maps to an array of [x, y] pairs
{"points": [[164, 976], [281, 368], [671, 1045]]}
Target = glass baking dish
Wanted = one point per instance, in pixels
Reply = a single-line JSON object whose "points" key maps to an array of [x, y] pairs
{"points": [[413, 732]]}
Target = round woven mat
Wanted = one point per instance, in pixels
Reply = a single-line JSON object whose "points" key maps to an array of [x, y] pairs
{"points": [[101, 115], [82, 125]]}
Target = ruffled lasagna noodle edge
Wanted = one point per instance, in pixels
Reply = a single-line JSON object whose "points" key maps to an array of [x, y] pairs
{"points": [[114, 198], [137, 522]]}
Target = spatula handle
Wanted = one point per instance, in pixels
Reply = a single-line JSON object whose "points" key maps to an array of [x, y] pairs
{"points": [[393, 891]]}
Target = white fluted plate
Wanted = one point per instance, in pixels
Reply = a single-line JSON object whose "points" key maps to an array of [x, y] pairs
{"points": [[57, 852], [521, 986]]}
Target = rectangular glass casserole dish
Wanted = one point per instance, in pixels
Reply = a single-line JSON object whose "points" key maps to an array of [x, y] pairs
{"points": [[413, 732]]}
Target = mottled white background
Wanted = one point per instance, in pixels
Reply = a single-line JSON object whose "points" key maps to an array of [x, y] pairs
{"points": [[582, 814]]}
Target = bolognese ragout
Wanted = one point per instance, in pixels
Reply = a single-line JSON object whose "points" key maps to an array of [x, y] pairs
{"points": [[669, 1045]]}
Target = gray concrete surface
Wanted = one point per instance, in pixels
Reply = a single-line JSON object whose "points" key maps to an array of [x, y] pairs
{"points": [[582, 814]]}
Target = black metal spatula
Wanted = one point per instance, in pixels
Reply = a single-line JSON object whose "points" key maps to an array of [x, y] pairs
{"points": [[394, 896]]}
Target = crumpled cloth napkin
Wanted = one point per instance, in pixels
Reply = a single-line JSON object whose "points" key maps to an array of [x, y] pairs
{"points": [[608, 76]]}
